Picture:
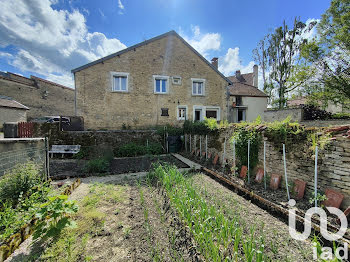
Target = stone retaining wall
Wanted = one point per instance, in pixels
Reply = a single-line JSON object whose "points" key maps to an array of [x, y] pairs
{"points": [[333, 161]]}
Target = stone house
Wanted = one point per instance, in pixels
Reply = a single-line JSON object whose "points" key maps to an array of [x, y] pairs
{"points": [[12, 111], [43, 97], [247, 101], [156, 82]]}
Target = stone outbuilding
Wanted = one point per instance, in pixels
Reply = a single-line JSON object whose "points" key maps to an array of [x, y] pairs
{"points": [[12, 111]]}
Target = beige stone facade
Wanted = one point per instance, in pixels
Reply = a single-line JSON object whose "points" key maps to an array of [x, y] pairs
{"points": [[168, 57], [44, 98]]}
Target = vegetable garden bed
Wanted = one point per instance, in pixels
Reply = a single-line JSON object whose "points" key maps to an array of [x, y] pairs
{"points": [[167, 216]]}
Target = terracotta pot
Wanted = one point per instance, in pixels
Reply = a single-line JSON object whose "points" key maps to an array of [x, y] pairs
{"points": [[243, 173], [299, 188], [275, 181], [216, 158], [259, 175], [334, 198]]}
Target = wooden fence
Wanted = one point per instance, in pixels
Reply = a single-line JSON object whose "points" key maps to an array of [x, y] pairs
{"points": [[25, 129]]}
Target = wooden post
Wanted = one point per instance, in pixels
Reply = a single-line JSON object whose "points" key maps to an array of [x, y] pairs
{"points": [[200, 146]]}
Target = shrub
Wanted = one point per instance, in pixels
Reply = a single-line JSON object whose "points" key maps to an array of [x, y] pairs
{"points": [[134, 149], [171, 130], [311, 112], [19, 182], [341, 116], [97, 165]]}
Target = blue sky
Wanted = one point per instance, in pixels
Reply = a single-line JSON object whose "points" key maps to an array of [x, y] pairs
{"points": [[48, 38]]}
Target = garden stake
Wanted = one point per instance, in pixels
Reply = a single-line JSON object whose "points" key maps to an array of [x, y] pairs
{"points": [[285, 169], [206, 146], [265, 164], [248, 161], [316, 156], [190, 143], [234, 155], [224, 155], [167, 143], [200, 146]]}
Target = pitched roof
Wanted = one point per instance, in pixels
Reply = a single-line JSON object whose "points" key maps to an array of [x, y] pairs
{"points": [[243, 89], [6, 101], [245, 78], [146, 42]]}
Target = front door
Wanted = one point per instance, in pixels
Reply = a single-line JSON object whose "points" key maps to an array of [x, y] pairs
{"points": [[198, 115]]}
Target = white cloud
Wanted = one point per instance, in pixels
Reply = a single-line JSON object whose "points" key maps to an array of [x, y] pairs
{"points": [[50, 42], [203, 42], [121, 7], [7, 55], [231, 62]]}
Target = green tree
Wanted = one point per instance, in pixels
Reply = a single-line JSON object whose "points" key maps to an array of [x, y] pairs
{"points": [[329, 54]]}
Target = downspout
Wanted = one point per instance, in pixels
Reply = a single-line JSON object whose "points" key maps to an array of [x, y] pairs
{"points": [[75, 95]]}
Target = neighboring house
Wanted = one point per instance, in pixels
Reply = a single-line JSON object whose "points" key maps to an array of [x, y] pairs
{"points": [[12, 111], [159, 81], [246, 101], [44, 98]]}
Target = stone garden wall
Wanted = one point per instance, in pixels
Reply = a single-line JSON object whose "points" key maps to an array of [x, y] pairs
{"points": [[333, 160], [111, 138], [14, 151]]}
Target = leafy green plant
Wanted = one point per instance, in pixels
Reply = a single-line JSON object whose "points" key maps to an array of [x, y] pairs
{"points": [[98, 165], [53, 217], [242, 135], [133, 149], [19, 181], [212, 231], [320, 198], [83, 153], [341, 116]]}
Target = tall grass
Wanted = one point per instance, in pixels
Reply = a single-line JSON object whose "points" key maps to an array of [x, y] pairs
{"points": [[217, 238]]}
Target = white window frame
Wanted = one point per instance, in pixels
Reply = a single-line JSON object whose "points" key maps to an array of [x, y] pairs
{"points": [[119, 74], [198, 80], [212, 108], [178, 78], [160, 77], [177, 112]]}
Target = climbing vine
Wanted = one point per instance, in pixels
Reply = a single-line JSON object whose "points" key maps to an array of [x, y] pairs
{"points": [[241, 137]]}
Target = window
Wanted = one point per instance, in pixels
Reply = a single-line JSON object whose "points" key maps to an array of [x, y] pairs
{"points": [[120, 81], [176, 80], [212, 112], [198, 87], [241, 115], [239, 101], [182, 113], [165, 112], [161, 84]]}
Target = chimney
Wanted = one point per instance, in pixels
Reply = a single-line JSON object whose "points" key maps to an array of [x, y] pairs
{"points": [[255, 76], [238, 75], [215, 62]]}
